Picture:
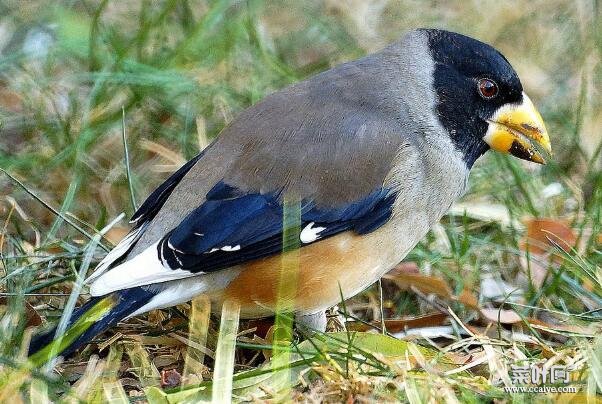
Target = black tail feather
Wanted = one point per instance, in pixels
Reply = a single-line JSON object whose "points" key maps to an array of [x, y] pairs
{"points": [[126, 302]]}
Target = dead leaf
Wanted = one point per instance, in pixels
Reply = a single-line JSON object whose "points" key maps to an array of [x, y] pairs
{"points": [[535, 268], [542, 238], [162, 340], [405, 278], [588, 285], [467, 298], [502, 316], [485, 211], [424, 283], [408, 267], [402, 324], [32, 317], [73, 372], [446, 331], [130, 382], [550, 328], [543, 234]]}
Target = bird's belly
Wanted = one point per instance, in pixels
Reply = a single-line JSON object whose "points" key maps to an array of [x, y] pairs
{"points": [[316, 276]]}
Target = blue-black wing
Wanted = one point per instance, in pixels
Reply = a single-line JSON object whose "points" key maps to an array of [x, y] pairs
{"points": [[232, 227]]}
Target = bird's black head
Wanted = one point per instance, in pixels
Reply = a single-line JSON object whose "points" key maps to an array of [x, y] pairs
{"points": [[473, 83]]}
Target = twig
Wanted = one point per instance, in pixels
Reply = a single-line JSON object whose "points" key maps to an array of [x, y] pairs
{"points": [[428, 301]]}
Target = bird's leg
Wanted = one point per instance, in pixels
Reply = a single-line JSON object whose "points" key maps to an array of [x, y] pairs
{"points": [[315, 321], [320, 321]]}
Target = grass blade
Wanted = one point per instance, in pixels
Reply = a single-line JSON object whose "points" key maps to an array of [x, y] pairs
{"points": [[198, 326], [126, 157], [53, 210], [224, 355]]}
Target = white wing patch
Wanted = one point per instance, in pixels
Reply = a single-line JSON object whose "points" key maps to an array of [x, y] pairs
{"points": [[309, 234], [230, 248], [120, 249], [144, 269], [227, 248]]}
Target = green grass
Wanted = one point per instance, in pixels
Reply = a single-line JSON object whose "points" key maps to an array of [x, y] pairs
{"points": [[167, 76]]}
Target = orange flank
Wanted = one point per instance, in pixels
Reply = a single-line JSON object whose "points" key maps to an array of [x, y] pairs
{"points": [[346, 260]]}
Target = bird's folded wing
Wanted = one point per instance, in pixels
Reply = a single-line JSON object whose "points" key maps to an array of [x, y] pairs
{"points": [[232, 228], [327, 143]]}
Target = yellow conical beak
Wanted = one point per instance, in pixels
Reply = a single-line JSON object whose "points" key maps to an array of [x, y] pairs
{"points": [[517, 129]]}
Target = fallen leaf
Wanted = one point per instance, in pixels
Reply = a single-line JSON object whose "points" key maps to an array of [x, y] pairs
{"points": [[73, 372], [542, 237], [32, 317], [162, 340], [535, 268], [402, 324], [130, 382], [467, 298], [543, 234], [405, 278], [424, 283], [551, 328], [10, 100], [502, 316], [406, 267]]}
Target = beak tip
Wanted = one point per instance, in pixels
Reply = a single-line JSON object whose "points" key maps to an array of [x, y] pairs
{"points": [[520, 131]]}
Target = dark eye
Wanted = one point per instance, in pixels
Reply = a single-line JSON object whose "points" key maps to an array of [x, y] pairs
{"points": [[487, 88]]}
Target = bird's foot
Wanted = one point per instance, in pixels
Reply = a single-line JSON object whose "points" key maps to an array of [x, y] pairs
{"points": [[335, 321]]}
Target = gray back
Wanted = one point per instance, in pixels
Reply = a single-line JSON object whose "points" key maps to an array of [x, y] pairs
{"points": [[332, 138]]}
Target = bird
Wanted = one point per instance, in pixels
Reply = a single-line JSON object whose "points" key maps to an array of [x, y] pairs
{"points": [[344, 172]]}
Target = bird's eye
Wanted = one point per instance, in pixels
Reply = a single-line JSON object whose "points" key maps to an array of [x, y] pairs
{"points": [[487, 88]]}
